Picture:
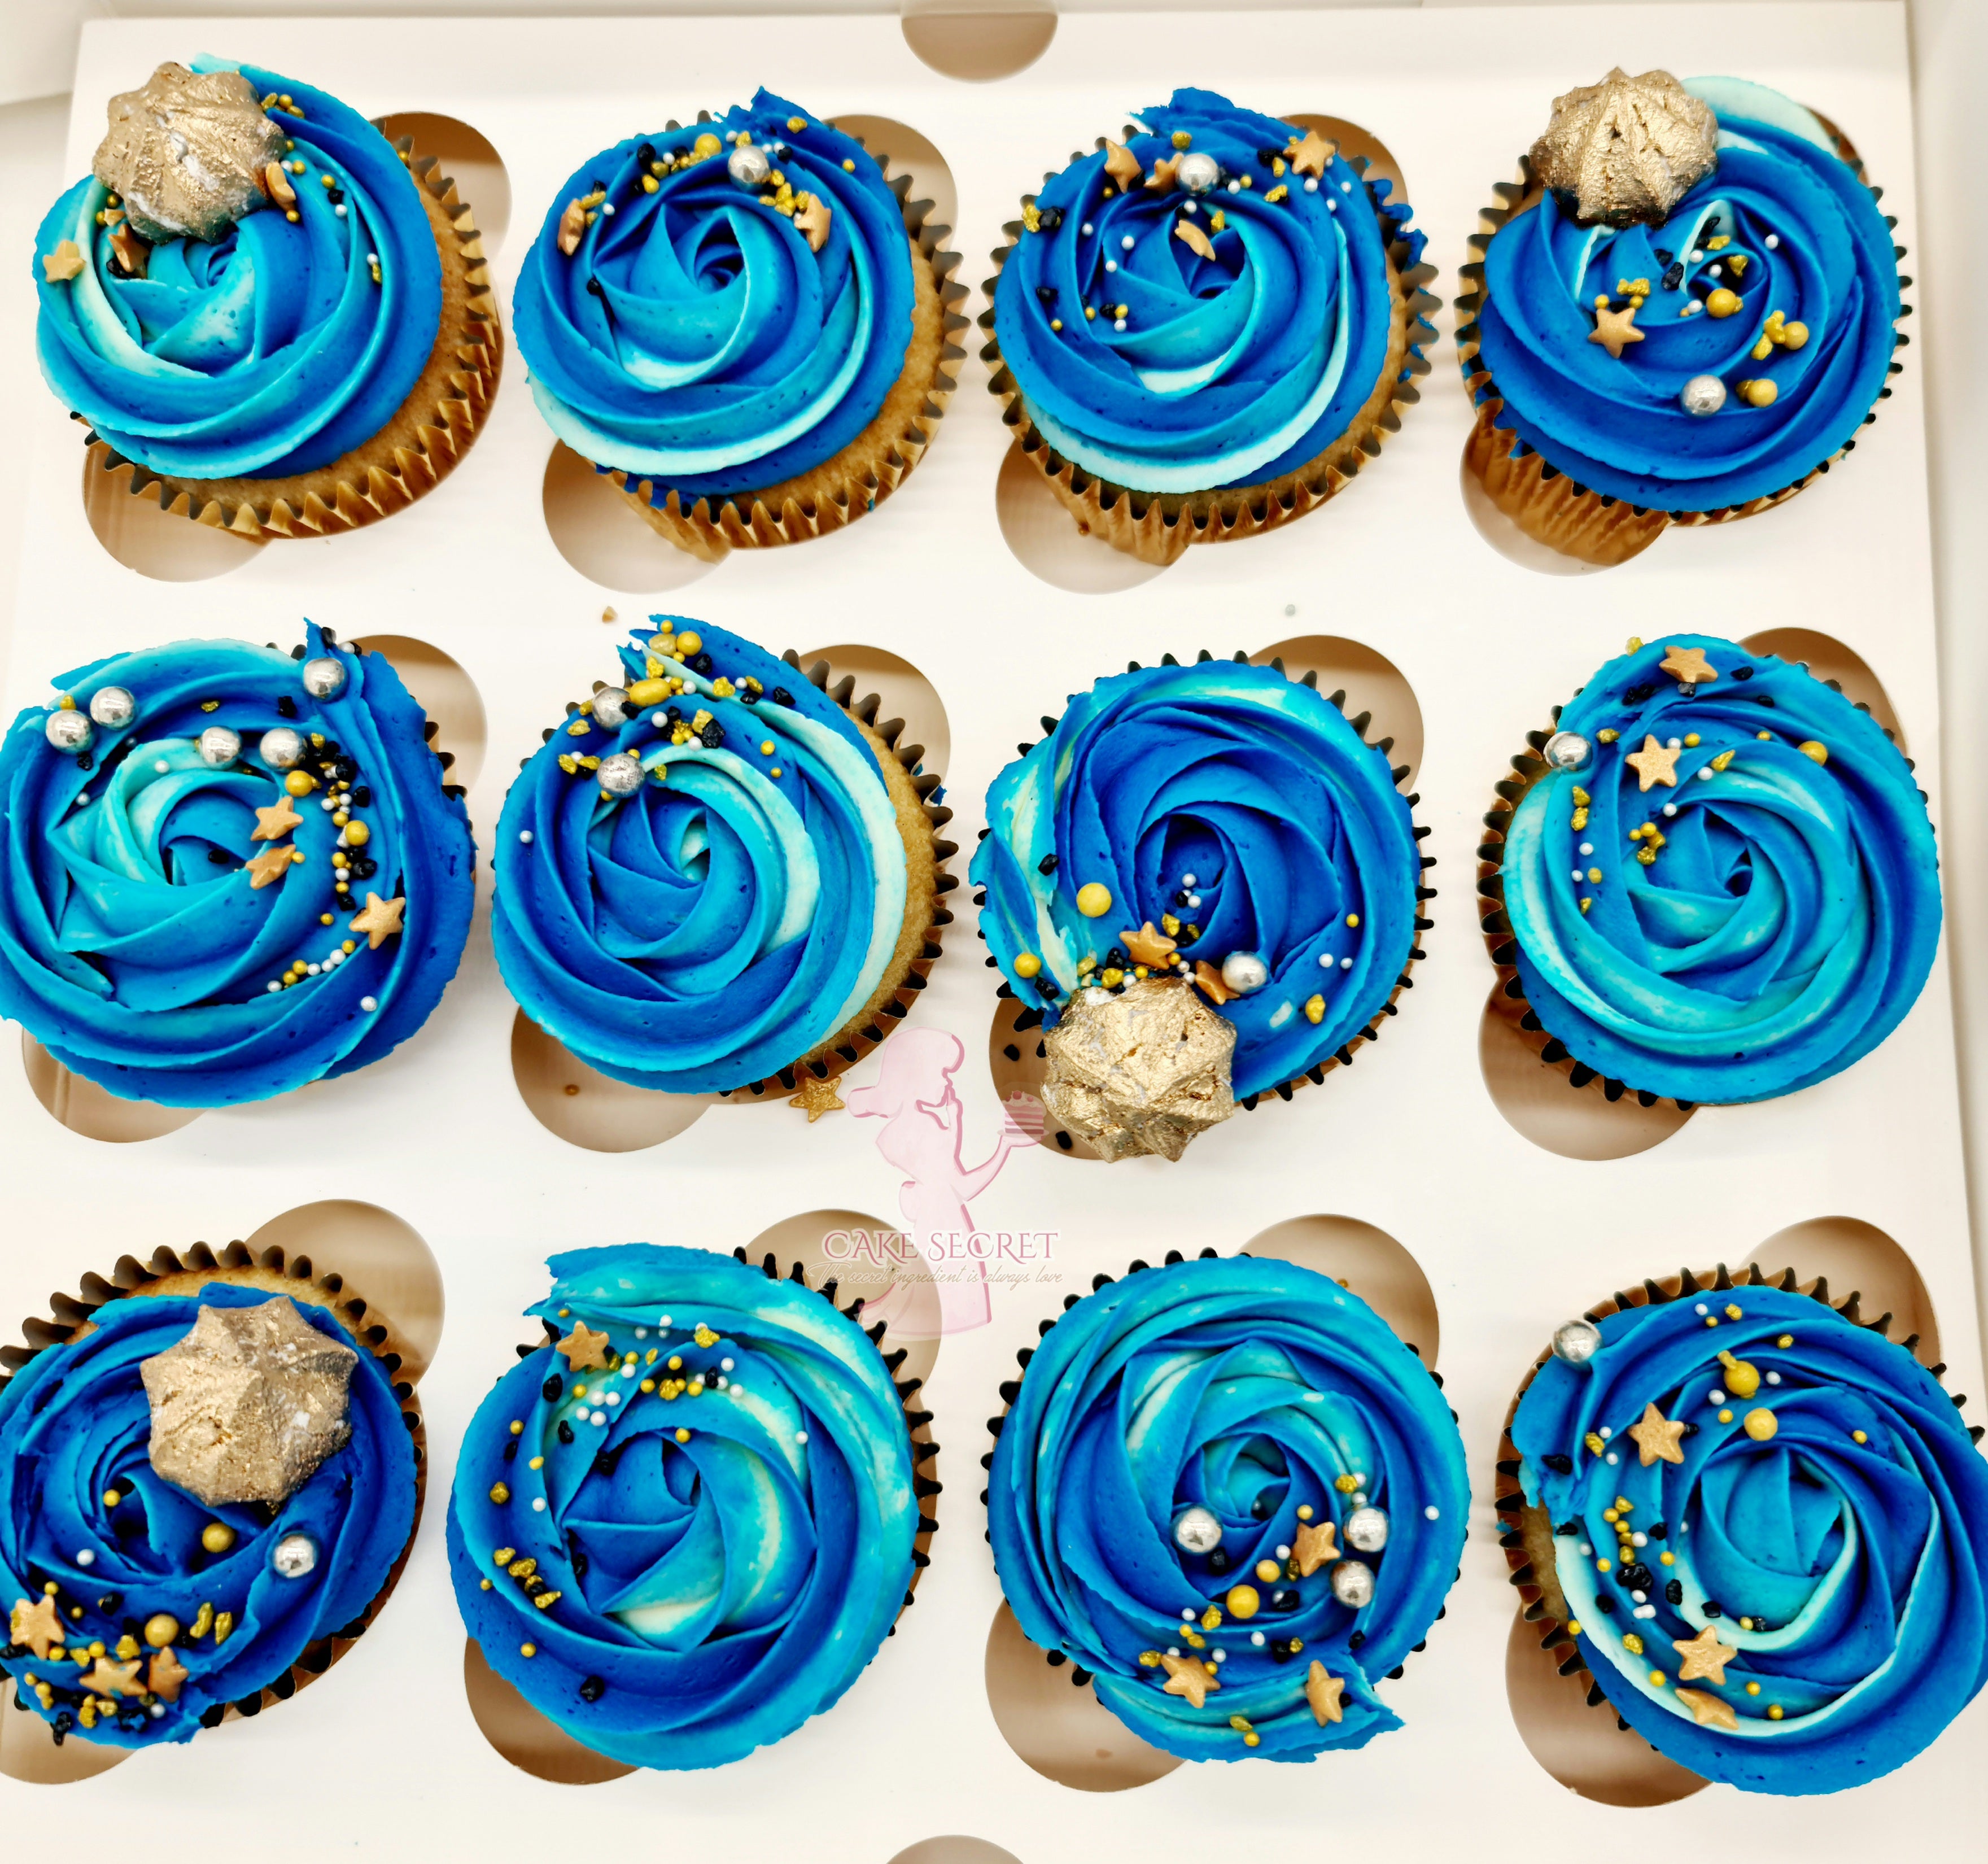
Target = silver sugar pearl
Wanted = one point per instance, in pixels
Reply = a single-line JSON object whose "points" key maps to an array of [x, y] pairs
{"points": [[219, 745], [1352, 1583], [69, 730], [113, 707], [748, 165], [294, 1555], [1703, 394], [620, 775], [1243, 972], [1198, 172], [283, 749], [1366, 1530], [1567, 751], [1576, 1342], [323, 676], [610, 708], [1198, 1531]]}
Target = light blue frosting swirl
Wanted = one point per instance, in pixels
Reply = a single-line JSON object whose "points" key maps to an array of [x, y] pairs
{"points": [[1806, 239], [1843, 1554], [1789, 920], [1248, 1388], [1255, 785], [727, 1558], [695, 337], [1230, 370], [134, 944], [271, 352], [75, 1423], [736, 911]]}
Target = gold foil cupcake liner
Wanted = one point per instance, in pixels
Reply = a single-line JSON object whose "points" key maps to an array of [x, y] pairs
{"points": [[1545, 503], [835, 494], [184, 1273], [411, 454], [1525, 1533], [1156, 527]]}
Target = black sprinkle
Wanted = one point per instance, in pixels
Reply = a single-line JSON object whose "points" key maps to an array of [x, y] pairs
{"points": [[1354, 1642], [553, 1390], [1219, 1561], [1710, 1610], [286, 707], [1259, 1509], [565, 1432], [1050, 219], [220, 858], [1559, 1464], [1047, 293], [1046, 865], [782, 696], [1604, 1605], [1673, 1591], [1743, 672], [1063, 1139], [593, 1689], [593, 286], [702, 664], [713, 735], [1673, 277]]}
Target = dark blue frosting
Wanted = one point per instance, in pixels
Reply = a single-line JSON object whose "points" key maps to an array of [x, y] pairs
{"points": [[1788, 918], [271, 351], [1233, 370], [1279, 1402], [709, 1545], [737, 910], [1806, 239], [695, 337], [1840, 1558], [1255, 785], [75, 1423], [134, 944]]}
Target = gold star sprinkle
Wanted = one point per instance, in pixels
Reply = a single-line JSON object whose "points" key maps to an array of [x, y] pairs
{"points": [[583, 1347], [1147, 947], [1312, 1546], [1210, 978], [1708, 1711], [272, 824], [1187, 1676], [1323, 1692], [110, 1679], [1122, 165], [165, 1675], [1614, 329], [1162, 177], [63, 263], [1688, 665], [36, 1625], [379, 920], [272, 864], [1656, 1435], [1310, 156], [1653, 764], [1186, 231], [1704, 1655], [816, 1098], [813, 217]]}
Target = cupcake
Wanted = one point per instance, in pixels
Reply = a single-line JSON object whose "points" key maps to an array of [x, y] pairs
{"points": [[1209, 883], [281, 319], [719, 875], [1231, 1496], [741, 323], [209, 1481], [1714, 880], [1684, 313], [1761, 1525], [1206, 329], [716, 1518], [226, 873]]}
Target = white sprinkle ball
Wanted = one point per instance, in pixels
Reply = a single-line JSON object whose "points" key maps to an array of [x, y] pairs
{"points": [[1346, 187], [1773, 242], [161, 766], [1220, 1656], [641, 1333], [1774, 1378], [1716, 1395], [607, 207], [1588, 847], [725, 1366], [1701, 1308], [600, 1420], [525, 836], [1332, 205], [1256, 1638], [86, 1559], [272, 987], [537, 1504], [1705, 774], [1325, 961], [1235, 187], [369, 1004], [614, 1398], [1611, 1458], [1086, 229], [1698, 257], [1283, 1553], [1605, 1433], [1187, 1615], [664, 1321], [1670, 809], [1432, 1512], [1187, 880], [800, 1436], [1127, 243], [1110, 264], [1118, 323], [1311, 183]]}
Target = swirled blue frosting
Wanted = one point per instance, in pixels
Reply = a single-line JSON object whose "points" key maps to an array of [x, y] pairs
{"points": [[695, 336], [1271, 1398], [733, 913], [136, 943], [1783, 222], [683, 1556], [1157, 367], [1834, 1552], [1788, 916], [75, 1428], [1236, 811], [273, 351]]}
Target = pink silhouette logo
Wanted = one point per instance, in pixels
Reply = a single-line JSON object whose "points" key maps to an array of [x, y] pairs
{"points": [[922, 1136]]}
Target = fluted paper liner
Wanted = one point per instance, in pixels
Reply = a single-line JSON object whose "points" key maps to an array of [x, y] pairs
{"points": [[836, 493], [1525, 1532], [184, 1273], [1544, 502], [417, 448], [1156, 527]]}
